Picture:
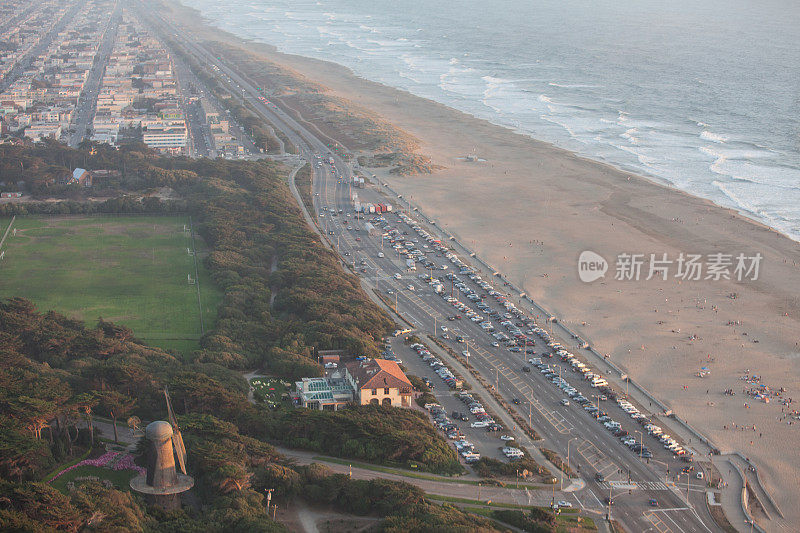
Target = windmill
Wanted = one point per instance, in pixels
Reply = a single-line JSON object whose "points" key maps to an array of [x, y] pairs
{"points": [[161, 483]]}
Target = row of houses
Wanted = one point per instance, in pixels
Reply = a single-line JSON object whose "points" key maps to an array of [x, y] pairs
{"points": [[41, 100], [138, 94], [139, 91]]}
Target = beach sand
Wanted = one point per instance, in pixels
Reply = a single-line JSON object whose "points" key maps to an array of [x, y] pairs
{"points": [[530, 209]]}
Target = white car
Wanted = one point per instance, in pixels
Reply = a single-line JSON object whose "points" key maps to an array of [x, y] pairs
{"points": [[479, 424], [506, 437], [398, 276], [465, 353], [444, 328], [563, 503], [410, 287]]}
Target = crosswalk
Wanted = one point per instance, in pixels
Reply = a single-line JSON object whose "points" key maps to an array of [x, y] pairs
{"points": [[634, 485]]}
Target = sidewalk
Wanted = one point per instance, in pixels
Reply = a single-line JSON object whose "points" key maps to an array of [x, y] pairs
{"points": [[731, 498]]}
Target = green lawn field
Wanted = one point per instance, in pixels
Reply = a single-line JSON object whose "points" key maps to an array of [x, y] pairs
{"points": [[129, 270]]}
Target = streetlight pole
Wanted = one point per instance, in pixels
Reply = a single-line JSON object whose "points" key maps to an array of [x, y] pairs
{"points": [[568, 443], [641, 443]]}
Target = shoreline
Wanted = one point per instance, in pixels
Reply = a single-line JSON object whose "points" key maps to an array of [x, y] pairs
{"points": [[661, 332], [623, 168]]}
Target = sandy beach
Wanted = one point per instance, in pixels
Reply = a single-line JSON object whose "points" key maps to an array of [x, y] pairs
{"points": [[530, 209]]}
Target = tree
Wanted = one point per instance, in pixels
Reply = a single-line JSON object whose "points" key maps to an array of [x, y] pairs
{"points": [[86, 401], [115, 404]]}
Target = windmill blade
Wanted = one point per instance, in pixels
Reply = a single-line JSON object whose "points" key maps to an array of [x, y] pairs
{"points": [[170, 412], [180, 450]]}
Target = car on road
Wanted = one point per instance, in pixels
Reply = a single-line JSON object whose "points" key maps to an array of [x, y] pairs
{"points": [[653, 502], [608, 501], [466, 353], [564, 402], [495, 344], [526, 369], [506, 438], [599, 477], [398, 276], [562, 503], [410, 287], [443, 328], [515, 401]]}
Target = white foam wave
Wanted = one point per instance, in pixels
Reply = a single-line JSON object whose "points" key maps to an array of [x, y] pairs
{"points": [[573, 85], [629, 134], [714, 137]]}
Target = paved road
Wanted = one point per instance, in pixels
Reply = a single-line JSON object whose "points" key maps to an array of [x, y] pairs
{"points": [[87, 102], [508, 495]]}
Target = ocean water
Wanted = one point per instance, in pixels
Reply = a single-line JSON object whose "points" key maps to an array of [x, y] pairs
{"points": [[702, 94]]}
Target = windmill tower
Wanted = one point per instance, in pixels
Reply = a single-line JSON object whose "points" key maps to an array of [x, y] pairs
{"points": [[162, 485]]}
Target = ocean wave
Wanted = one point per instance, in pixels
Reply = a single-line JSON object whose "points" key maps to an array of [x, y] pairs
{"points": [[643, 158], [629, 134], [714, 137], [573, 85], [739, 202]]}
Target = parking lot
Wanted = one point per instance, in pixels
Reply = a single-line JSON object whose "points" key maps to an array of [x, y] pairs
{"points": [[486, 443]]}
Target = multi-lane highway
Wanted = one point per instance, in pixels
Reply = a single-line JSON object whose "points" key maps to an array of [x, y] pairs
{"points": [[87, 102], [627, 478]]}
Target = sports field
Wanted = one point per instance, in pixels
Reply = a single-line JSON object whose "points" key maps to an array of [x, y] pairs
{"points": [[129, 270]]}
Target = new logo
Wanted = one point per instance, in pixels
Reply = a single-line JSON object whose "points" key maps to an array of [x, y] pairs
{"points": [[591, 266]]}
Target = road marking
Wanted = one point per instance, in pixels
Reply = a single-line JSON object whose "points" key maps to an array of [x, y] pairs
{"points": [[658, 524], [596, 498]]}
